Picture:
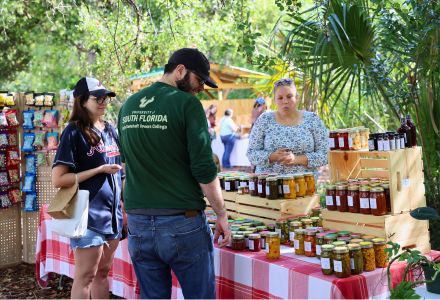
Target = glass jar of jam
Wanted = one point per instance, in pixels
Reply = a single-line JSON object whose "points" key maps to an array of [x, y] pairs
{"points": [[273, 243], [261, 187], [381, 258], [354, 140], [289, 187], [353, 199], [254, 242], [230, 184], [278, 228], [299, 241], [341, 262], [293, 226], [368, 256], [327, 259], [330, 198], [319, 243], [341, 198], [316, 211], [365, 136], [263, 239], [315, 221], [356, 259], [310, 243], [310, 183], [244, 184], [271, 188], [378, 204], [301, 187], [238, 242], [246, 237], [333, 140], [364, 200], [253, 183], [330, 238], [343, 140], [222, 181], [386, 189], [306, 223]]}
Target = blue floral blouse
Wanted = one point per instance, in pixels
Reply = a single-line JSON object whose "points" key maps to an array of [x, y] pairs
{"points": [[310, 138]]}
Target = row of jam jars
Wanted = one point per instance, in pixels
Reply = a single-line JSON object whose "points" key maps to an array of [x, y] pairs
{"points": [[339, 140]]}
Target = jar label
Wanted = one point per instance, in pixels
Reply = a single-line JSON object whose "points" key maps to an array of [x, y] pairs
{"points": [[260, 188], [393, 144], [252, 186], [350, 200], [286, 189], [325, 263], [331, 142], [278, 230], [296, 244], [227, 186], [350, 142], [386, 145], [402, 143], [267, 190], [263, 243], [318, 249], [297, 188], [352, 263], [365, 202], [280, 189], [371, 145], [251, 245], [338, 201], [341, 142], [373, 203], [337, 266], [308, 246], [329, 200], [291, 236], [380, 145], [243, 184]]}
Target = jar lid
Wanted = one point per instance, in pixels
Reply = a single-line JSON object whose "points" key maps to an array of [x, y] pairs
{"points": [[368, 237], [330, 236], [300, 231], [355, 236], [314, 218], [366, 244], [374, 184], [379, 241], [253, 176], [254, 236], [353, 188], [271, 226], [308, 174], [339, 243], [247, 233], [385, 185], [271, 179], [352, 180], [246, 224], [364, 188], [288, 176], [363, 182], [261, 228], [264, 233], [311, 232], [354, 246], [341, 183], [306, 220], [262, 176], [244, 178], [356, 241], [377, 189], [331, 187], [340, 250], [327, 247], [298, 176], [341, 187], [238, 237], [320, 235], [295, 223], [344, 233], [272, 234]]}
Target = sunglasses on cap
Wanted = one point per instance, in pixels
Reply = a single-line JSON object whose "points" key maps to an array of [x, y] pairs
{"points": [[283, 82]]}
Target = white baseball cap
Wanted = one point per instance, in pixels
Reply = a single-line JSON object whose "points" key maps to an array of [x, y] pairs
{"points": [[91, 86]]}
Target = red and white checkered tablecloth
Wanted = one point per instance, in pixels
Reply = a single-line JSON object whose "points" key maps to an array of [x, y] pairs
{"points": [[239, 274]]}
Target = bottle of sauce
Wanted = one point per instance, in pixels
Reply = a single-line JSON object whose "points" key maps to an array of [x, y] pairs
{"points": [[412, 130], [406, 130]]}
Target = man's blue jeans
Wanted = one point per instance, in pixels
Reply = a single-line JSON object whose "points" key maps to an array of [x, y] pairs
{"points": [[229, 142], [159, 244]]}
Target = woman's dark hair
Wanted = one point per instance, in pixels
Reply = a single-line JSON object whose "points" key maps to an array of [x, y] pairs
{"points": [[81, 117]]}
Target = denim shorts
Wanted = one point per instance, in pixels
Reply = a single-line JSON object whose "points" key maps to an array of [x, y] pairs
{"points": [[93, 239]]}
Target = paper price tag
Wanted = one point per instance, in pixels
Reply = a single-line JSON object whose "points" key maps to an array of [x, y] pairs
{"points": [[406, 183]]}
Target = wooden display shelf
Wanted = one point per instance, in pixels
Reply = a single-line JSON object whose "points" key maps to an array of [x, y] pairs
{"points": [[265, 210], [398, 228], [403, 168]]}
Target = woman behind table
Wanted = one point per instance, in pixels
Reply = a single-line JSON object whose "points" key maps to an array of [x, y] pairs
{"points": [[288, 140], [228, 129], [88, 152]]}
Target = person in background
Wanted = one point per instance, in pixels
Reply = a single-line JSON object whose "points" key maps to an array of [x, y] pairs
{"points": [[258, 109], [88, 153], [210, 113], [228, 131], [288, 140], [167, 151]]}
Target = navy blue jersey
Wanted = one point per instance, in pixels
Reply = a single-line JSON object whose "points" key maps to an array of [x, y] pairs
{"points": [[105, 214]]}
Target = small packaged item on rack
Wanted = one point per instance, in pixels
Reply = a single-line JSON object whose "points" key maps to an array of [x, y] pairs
{"points": [[10, 99], [14, 176], [41, 159], [12, 157], [64, 116], [14, 195], [48, 99], [3, 95], [39, 99], [38, 118], [4, 200], [3, 140], [52, 140], [28, 140], [12, 138], [3, 121], [29, 183], [29, 96], [50, 119], [4, 181], [31, 162], [11, 118], [28, 117], [2, 160], [40, 137], [30, 203]]}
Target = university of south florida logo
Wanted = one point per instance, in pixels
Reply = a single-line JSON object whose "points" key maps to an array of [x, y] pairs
{"points": [[145, 101]]}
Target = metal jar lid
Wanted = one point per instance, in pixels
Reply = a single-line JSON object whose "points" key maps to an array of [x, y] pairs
{"points": [[340, 250]]}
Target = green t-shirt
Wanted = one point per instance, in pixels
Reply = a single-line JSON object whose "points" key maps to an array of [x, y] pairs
{"points": [[166, 146]]}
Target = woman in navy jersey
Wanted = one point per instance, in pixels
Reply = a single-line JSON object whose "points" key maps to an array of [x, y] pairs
{"points": [[88, 153]]}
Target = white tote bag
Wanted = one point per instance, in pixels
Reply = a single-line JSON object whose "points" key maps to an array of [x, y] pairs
{"points": [[76, 226]]}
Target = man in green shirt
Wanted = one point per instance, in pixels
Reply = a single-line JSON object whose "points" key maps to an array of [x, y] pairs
{"points": [[167, 151]]}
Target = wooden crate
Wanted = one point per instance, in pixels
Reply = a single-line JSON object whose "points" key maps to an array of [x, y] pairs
{"points": [[403, 168], [229, 198], [10, 236], [399, 228]]}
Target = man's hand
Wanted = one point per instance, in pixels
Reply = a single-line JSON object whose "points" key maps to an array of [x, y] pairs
{"points": [[222, 228]]}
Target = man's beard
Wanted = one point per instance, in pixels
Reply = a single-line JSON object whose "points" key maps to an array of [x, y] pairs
{"points": [[184, 84]]}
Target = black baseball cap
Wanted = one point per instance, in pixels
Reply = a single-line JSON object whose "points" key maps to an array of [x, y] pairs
{"points": [[91, 86], [195, 61]]}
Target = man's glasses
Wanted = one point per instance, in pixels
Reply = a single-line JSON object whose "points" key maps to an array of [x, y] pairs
{"points": [[283, 82], [101, 100], [198, 78]]}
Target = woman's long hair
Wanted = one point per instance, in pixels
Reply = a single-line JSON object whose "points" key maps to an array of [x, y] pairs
{"points": [[81, 117]]}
